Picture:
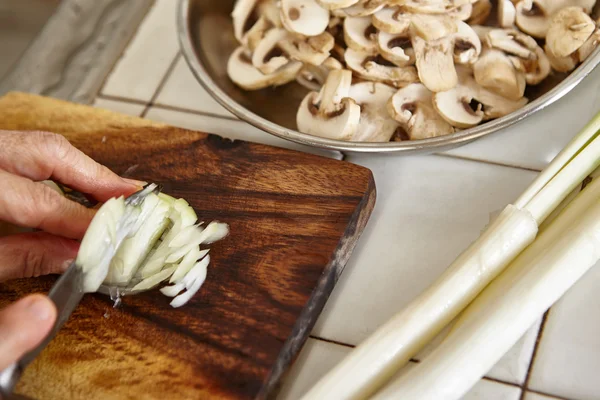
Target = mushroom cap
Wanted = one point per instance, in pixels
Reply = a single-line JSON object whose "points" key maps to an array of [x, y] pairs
{"points": [[426, 6], [241, 71], [512, 42], [375, 124], [537, 69], [432, 27], [376, 68], [495, 72], [392, 20], [336, 4], [412, 108], [305, 17], [533, 18], [255, 34], [242, 12], [396, 48], [562, 64], [312, 50], [467, 46], [269, 9], [268, 57], [435, 63], [462, 13], [568, 30], [507, 13], [363, 8], [481, 12], [330, 113], [360, 34]]}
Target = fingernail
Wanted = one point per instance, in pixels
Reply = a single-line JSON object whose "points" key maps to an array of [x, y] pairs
{"points": [[66, 265], [39, 309], [135, 182]]}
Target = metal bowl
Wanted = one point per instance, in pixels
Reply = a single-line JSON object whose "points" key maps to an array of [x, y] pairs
{"points": [[206, 37]]}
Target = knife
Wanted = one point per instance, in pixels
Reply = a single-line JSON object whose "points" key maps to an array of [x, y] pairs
{"points": [[66, 294]]}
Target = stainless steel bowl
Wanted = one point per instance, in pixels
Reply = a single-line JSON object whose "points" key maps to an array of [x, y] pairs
{"points": [[206, 38]]}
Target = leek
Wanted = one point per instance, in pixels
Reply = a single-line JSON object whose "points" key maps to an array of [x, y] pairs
{"points": [[509, 306], [371, 364]]}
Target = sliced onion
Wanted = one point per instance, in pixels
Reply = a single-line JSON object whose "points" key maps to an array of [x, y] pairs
{"points": [[188, 263], [199, 271], [154, 280], [185, 297], [185, 236], [173, 290]]}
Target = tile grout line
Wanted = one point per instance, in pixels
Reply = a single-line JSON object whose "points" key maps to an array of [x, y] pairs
{"points": [[499, 164], [121, 99], [161, 84], [536, 346]]}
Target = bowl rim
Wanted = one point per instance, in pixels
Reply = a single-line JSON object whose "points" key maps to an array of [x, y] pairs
{"points": [[423, 145]]}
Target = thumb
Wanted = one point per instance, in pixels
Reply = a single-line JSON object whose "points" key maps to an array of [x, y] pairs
{"points": [[23, 325]]}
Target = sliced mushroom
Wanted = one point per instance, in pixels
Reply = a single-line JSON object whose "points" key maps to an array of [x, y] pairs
{"points": [[269, 9], [330, 113], [336, 4], [533, 16], [468, 104], [562, 64], [375, 124], [467, 45], [305, 17], [462, 13], [377, 68], [363, 8], [482, 32], [396, 48], [568, 30], [392, 20], [268, 56], [513, 42], [536, 69], [360, 34], [432, 27], [257, 33], [247, 76], [495, 72], [589, 46], [435, 62], [312, 50], [313, 77], [244, 17], [427, 6], [506, 13], [412, 108], [481, 12]]}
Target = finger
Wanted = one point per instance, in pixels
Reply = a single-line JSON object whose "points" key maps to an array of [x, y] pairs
{"points": [[42, 155], [23, 325], [35, 205], [29, 255]]}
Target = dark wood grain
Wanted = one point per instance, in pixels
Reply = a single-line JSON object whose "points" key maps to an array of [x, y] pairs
{"points": [[294, 219]]}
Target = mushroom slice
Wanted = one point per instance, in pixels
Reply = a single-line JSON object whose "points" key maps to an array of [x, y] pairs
{"points": [[363, 8], [432, 27], [375, 124], [412, 108], [537, 69], [482, 32], [467, 45], [392, 20], [468, 104], [305, 17], [435, 63], [426, 6], [244, 74], [462, 13], [336, 4], [256, 34], [569, 29], [268, 56], [495, 72], [562, 64], [532, 17], [330, 113], [360, 34], [312, 50], [513, 42], [481, 12], [506, 13], [377, 68], [589, 46], [269, 9], [396, 48], [244, 17]]}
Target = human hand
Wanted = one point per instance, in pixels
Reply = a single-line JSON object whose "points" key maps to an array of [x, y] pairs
{"points": [[26, 158]]}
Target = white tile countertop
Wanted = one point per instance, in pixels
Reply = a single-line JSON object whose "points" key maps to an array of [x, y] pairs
{"points": [[429, 209]]}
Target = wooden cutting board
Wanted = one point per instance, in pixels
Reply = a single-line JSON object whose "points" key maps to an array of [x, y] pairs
{"points": [[294, 219]]}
